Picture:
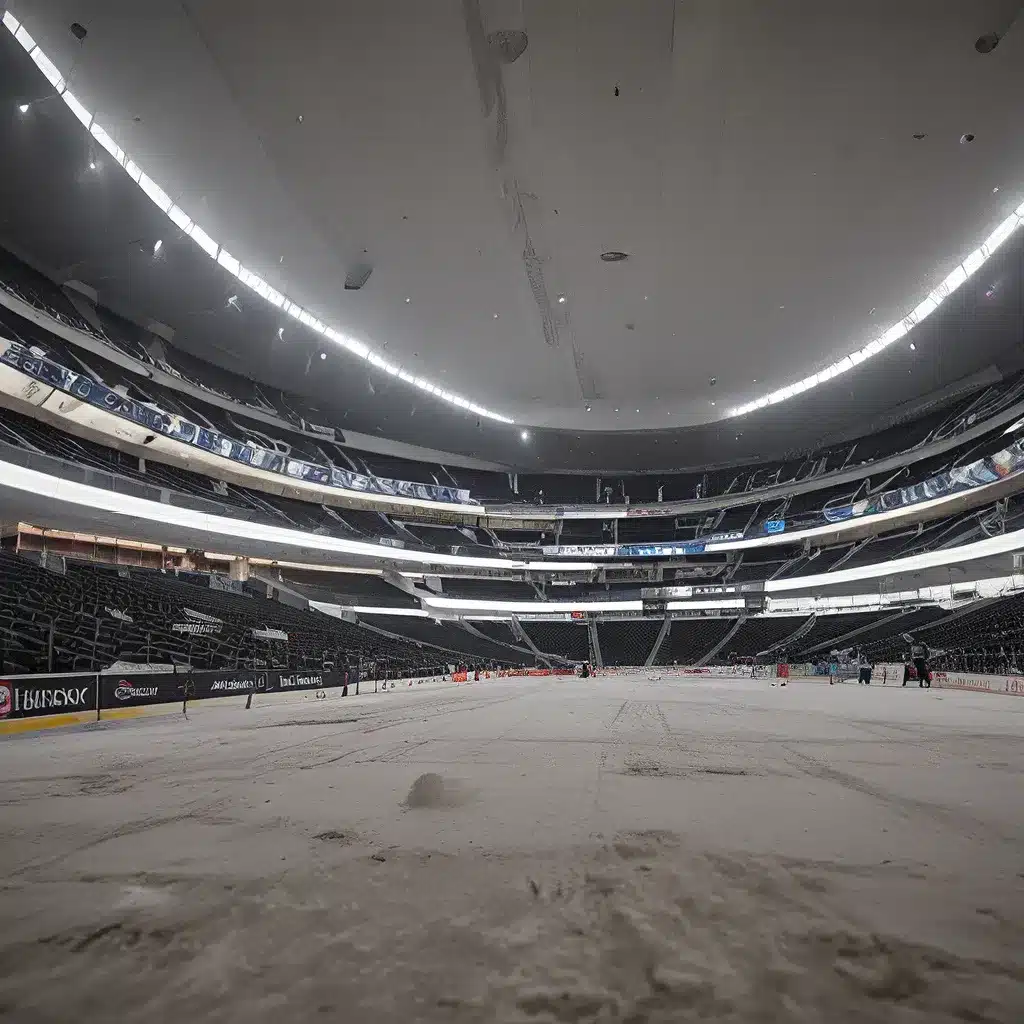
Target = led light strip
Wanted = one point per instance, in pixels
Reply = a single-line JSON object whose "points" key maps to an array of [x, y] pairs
{"points": [[925, 308], [56, 490], [212, 249]]}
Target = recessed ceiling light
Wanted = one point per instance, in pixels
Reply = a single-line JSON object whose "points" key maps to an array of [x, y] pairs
{"points": [[588, 408], [561, 298], [638, 410], [92, 165], [994, 191], [712, 401], [323, 355], [300, 119], [913, 347], [280, 333], [616, 410], [524, 435], [495, 316], [23, 108], [407, 299], [158, 245]]}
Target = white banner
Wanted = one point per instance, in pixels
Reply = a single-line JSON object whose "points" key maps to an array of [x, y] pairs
{"points": [[1013, 685], [191, 613], [270, 634]]}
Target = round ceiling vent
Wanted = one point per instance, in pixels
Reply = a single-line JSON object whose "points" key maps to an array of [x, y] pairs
{"points": [[614, 256]]}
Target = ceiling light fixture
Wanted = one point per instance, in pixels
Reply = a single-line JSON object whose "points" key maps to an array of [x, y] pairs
{"points": [[23, 108], [913, 347], [561, 298], [157, 246], [92, 165], [323, 355], [952, 281], [524, 435], [160, 199]]}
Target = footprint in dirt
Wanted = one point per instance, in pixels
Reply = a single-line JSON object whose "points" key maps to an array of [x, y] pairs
{"points": [[432, 791]]}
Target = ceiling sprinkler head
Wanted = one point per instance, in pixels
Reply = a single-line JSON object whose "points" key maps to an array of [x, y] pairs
{"points": [[713, 381], [987, 43]]}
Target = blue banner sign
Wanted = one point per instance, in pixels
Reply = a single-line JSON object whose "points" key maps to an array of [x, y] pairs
{"points": [[983, 471], [95, 393]]}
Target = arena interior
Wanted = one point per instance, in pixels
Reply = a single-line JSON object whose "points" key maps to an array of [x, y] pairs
{"points": [[512, 510]]}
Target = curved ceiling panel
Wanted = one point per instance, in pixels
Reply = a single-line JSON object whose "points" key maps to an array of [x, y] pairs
{"points": [[781, 188]]}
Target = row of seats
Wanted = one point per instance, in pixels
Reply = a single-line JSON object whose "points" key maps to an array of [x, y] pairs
{"points": [[90, 616], [128, 339], [992, 634]]}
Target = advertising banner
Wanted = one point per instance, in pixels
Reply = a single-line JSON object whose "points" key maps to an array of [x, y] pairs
{"points": [[1012, 685], [960, 478], [270, 634], [319, 429], [229, 684], [138, 689], [667, 549], [33, 696], [94, 393], [309, 680]]}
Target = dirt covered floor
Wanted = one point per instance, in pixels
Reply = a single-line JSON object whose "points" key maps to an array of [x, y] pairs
{"points": [[629, 849]]}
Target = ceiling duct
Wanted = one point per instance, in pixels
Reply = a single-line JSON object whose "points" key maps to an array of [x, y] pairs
{"points": [[357, 276]]}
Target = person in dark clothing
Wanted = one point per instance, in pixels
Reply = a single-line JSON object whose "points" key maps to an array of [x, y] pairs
{"points": [[919, 654], [865, 666]]}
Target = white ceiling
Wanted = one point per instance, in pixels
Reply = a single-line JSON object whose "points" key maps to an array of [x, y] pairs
{"points": [[758, 165]]}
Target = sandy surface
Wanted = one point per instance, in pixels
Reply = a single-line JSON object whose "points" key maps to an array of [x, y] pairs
{"points": [[620, 849]]}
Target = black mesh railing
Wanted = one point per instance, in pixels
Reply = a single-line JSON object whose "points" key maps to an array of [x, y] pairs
{"points": [[628, 642]]}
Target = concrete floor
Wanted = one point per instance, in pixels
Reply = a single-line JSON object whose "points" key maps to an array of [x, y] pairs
{"points": [[625, 849]]}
